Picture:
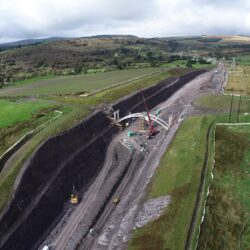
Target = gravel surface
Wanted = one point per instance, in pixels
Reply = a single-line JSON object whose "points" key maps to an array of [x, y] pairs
{"points": [[151, 210]]}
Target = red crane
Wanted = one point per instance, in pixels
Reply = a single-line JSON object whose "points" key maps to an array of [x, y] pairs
{"points": [[152, 130]]}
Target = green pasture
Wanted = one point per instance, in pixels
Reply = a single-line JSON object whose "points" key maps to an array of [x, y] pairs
{"points": [[76, 84], [13, 112]]}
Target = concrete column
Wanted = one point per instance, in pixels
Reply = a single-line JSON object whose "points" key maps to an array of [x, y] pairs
{"points": [[170, 118], [116, 115]]}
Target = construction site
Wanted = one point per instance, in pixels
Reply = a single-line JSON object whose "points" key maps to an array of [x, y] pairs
{"points": [[89, 192]]}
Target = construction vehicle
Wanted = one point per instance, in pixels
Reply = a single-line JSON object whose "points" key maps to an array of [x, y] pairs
{"points": [[158, 111], [131, 133], [74, 198], [116, 201], [92, 231]]}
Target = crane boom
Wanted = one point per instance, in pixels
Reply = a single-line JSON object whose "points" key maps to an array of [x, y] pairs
{"points": [[152, 130]]}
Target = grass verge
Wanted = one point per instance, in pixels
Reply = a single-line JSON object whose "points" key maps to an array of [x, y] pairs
{"points": [[10, 135], [179, 176], [223, 102], [226, 224]]}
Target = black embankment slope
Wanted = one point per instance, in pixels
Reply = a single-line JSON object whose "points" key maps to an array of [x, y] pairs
{"points": [[155, 94], [73, 157]]}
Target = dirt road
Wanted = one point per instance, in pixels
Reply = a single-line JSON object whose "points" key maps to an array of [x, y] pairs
{"points": [[88, 241]]}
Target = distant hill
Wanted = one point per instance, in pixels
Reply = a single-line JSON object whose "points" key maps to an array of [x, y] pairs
{"points": [[38, 57], [62, 56], [110, 36], [28, 42], [239, 39]]}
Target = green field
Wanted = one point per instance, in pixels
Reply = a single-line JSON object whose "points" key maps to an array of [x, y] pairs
{"points": [[238, 81], [243, 60], [75, 84], [183, 64], [223, 103], [13, 112], [226, 224], [174, 64], [215, 102], [111, 95], [18, 118], [11, 134], [179, 176]]}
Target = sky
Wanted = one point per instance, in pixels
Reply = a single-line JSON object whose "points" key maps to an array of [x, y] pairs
{"points": [[25, 19]]}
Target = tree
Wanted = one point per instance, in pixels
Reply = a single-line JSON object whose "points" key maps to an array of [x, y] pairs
{"points": [[124, 50], [78, 69], [154, 64], [1, 81], [189, 64], [172, 45]]}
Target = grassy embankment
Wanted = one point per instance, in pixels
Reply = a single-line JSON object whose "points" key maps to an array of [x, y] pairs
{"points": [[17, 118], [179, 176], [14, 112], [222, 103], [213, 234], [226, 224]]}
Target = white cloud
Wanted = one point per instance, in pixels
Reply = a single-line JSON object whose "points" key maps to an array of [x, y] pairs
{"points": [[20, 19]]}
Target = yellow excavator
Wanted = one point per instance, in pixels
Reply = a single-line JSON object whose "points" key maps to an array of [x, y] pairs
{"points": [[74, 198], [116, 201]]}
